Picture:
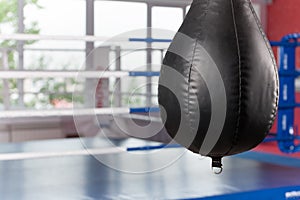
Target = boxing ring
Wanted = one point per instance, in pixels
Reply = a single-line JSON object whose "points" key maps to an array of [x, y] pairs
{"points": [[63, 169], [68, 169]]}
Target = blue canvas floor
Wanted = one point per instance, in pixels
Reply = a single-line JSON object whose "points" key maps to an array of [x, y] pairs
{"points": [[160, 174]]}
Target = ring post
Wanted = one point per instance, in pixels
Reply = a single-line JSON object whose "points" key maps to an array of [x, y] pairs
{"points": [[287, 71]]}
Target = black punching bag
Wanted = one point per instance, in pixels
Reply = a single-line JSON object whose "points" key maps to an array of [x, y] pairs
{"points": [[218, 89]]}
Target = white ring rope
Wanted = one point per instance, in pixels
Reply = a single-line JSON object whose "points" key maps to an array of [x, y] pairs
{"points": [[83, 152], [9, 114], [61, 74], [87, 38]]}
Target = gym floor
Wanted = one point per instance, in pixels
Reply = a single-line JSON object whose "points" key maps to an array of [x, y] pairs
{"points": [[110, 175]]}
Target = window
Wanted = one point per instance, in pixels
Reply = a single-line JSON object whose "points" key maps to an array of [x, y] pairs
{"points": [[167, 19], [113, 18]]}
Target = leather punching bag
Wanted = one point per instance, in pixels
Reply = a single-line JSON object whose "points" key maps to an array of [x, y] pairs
{"points": [[218, 88]]}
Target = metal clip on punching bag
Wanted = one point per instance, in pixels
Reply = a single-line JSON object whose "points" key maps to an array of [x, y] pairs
{"points": [[218, 88]]}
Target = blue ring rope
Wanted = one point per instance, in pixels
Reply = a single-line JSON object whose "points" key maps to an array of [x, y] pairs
{"points": [[273, 43], [144, 110], [143, 73], [148, 148]]}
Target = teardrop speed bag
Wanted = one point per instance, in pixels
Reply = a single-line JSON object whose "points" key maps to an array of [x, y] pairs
{"points": [[218, 88]]}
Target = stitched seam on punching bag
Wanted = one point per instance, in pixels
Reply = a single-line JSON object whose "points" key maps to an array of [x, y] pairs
{"points": [[273, 60], [189, 81], [192, 61], [190, 72], [240, 80]]}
